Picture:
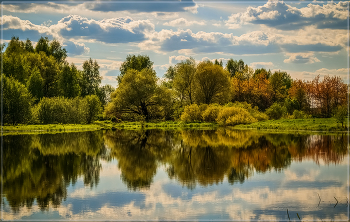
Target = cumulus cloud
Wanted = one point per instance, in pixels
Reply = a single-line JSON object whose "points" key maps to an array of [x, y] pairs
{"points": [[302, 58], [187, 42], [74, 48], [176, 59], [282, 16], [149, 6], [116, 30], [266, 65], [14, 26], [106, 6], [183, 22]]}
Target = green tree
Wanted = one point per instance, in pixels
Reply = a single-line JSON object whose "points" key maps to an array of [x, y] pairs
{"points": [[43, 46], [211, 83], [69, 81], [233, 66], [35, 84], [137, 93], [170, 75], [29, 46], [280, 82], [56, 50], [104, 94], [341, 114], [276, 111], [16, 101], [134, 62], [93, 107], [183, 80], [91, 78]]}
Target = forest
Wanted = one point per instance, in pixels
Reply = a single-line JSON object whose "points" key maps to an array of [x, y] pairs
{"points": [[39, 86]]}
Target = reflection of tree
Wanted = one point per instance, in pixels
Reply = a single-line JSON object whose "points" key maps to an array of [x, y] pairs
{"points": [[137, 153], [34, 168]]}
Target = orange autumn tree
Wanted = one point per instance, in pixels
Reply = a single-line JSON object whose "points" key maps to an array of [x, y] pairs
{"points": [[327, 95]]}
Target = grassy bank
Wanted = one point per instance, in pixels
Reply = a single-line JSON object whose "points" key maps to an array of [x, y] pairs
{"points": [[316, 124], [98, 125]]}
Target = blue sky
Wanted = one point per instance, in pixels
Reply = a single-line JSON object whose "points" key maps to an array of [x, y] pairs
{"points": [[304, 38]]}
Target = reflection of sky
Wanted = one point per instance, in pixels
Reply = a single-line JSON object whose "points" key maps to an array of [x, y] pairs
{"points": [[264, 196]]}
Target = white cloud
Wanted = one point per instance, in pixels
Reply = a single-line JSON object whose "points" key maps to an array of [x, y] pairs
{"points": [[307, 58], [180, 22], [280, 15], [256, 65]]}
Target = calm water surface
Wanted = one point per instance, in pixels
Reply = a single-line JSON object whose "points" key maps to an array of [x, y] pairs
{"points": [[175, 175]]}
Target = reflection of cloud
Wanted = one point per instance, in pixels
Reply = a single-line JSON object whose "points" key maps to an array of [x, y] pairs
{"points": [[306, 175]]}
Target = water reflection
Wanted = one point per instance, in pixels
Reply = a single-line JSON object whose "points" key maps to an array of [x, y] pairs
{"points": [[42, 166], [38, 169]]}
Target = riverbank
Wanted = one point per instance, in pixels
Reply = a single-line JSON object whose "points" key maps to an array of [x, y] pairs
{"points": [[308, 125], [315, 124], [99, 125]]}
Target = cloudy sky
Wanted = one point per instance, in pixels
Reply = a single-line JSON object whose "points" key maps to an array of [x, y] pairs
{"points": [[304, 38]]}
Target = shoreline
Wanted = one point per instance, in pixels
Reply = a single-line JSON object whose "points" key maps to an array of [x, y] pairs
{"points": [[275, 126]]}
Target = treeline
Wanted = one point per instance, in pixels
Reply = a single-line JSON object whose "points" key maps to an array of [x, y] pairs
{"points": [[234, 94], [40, 86]]}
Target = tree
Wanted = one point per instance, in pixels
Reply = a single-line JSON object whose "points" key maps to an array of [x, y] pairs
{"points": [[170, 75], [16, 101], [93, 107], [280, 82], [134, 62], [183, 80], [104, 94], [234, 66], [43, 46], [35, 84], [91, 78], [341, 114], [69, 81], [56, 50], [28, 46], [138, 93], [211, 83]]}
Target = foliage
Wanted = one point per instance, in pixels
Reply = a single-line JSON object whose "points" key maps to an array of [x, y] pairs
{"points": [[211, 113], [69, 81], [91, 78], [276, 111], [211, 84], [341, 114], [104, 94], [140, 95], [16, 101], [93, 108], [233, 116], [35, 84], [64, 110], [191, 113], [138, 63], [183, 80], [300, 115], [234, 66]]}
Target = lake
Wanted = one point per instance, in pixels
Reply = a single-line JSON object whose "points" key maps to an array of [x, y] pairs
{"points": [[218, 174]]}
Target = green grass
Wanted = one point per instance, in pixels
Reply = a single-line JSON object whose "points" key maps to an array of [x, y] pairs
{"points": [[315, 124], [98, 125]]}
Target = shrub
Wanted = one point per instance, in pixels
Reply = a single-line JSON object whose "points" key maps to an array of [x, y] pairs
{"points": [[234, 116], [211, 113], [276, 111], [300, 115], [341, 114], [191, 113]]}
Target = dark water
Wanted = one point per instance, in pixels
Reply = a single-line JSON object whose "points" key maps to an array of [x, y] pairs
{"points": [[175, 175]]}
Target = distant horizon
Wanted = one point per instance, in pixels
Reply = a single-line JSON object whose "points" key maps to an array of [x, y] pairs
{"points": [[304, 39]]}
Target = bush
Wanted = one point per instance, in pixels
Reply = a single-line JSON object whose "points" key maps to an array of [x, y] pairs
{"points": [[300, 115], [234, 116], [211, 113], [254, 112], [63, 110], [191, 114], [341, 114], [276, 111]]}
